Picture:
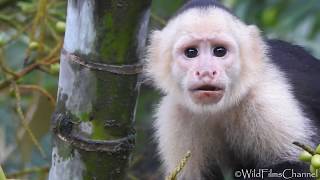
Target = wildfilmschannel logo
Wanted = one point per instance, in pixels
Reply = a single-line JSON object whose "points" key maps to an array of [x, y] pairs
{"points": [[268, 173]]}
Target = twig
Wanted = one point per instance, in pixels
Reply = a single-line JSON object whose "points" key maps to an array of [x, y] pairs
{"points": [[29, 171], [20, 74], [44, 69], [3, 66], [7, 20], [19, 32], [39, 17], [55, 50], [50, 59], [41, 90], [24, 122], [305, 147], [51, 29], [182, 164], [158, 19], [37, 32]]}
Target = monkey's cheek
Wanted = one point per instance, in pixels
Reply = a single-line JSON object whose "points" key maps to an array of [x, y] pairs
{"points": [[207, 97]]}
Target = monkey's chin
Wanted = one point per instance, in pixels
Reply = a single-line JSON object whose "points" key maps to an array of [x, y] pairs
{"points": [[203, 97]]}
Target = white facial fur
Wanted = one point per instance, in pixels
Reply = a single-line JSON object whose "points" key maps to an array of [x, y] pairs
{"points": [[174, 73]]}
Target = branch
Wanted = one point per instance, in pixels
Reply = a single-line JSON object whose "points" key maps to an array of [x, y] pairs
{"points": [[29, 171], [304, 147], [158, 19], [40, 90], [50, 59], [25, 123], [18, 33], [4, 84], [182, 164], [4, 67], [10, 22]]}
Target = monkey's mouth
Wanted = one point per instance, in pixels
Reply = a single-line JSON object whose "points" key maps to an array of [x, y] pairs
{"points": [[206, 93], [207, 87]]}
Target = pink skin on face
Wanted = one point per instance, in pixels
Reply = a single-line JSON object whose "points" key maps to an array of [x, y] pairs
{"points": [[205, 88], [205, 72]]}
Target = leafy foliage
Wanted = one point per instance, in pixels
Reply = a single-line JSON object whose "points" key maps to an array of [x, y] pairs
{"points": [[296, 21], [30, 40]]}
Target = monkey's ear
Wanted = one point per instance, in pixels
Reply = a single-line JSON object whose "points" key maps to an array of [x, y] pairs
{"points": [[154, 45], [155, 37], [254, 31], [257, 41]]}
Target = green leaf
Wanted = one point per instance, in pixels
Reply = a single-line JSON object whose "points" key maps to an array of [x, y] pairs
{"points": [[2, 176], [26, 7]]}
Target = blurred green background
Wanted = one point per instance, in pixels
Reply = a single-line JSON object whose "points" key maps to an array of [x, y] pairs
{"points": [[31, 34]]}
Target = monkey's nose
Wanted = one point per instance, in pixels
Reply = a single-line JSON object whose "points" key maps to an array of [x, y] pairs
{"points": [[206, 73]]}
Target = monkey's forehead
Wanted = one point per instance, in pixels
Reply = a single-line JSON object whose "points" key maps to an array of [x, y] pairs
{"points": [[206, 20]]}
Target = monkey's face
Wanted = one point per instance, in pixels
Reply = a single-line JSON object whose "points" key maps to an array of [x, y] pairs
{"points": [[205, 58], [204, 64]]}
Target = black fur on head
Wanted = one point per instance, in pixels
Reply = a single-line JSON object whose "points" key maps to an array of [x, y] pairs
{"points": [[201, 4]]}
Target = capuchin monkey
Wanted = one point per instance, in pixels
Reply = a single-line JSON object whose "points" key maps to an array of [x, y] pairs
{"points": [[235, 99]]}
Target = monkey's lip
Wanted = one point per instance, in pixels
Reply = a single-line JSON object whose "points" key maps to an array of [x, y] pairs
{"points": [[206, 88], [207, 93]]}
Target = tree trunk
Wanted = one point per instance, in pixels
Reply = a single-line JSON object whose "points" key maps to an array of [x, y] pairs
{"points": [[93, 122]]}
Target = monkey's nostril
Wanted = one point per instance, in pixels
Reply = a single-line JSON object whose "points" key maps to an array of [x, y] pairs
{"points": [[214, 73], [198, 73]]}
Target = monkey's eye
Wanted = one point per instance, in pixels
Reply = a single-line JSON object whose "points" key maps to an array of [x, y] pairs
{"points": [[219, 51], [191, 52]]}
